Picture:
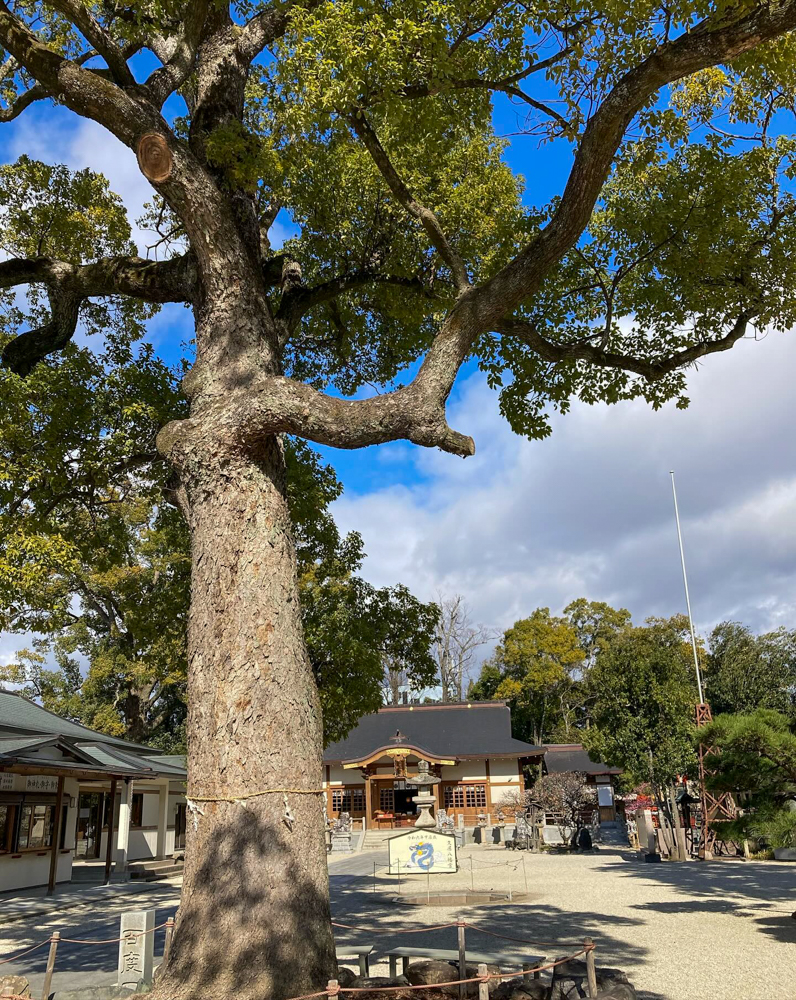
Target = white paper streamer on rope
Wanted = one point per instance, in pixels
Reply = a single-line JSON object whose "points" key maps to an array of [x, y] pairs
{"points": [[288, 816], [196, 811]]}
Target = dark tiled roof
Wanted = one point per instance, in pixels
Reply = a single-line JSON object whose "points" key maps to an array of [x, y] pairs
{"points": [[477, 729], [563, 757], [26, 717], [85, 749]]}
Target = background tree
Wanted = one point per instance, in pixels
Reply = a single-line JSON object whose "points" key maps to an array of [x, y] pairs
{"points": [[596, 624], [373, 126], [532, 669], [744, 671], [643, 706], [757, 763], [455, 642]]}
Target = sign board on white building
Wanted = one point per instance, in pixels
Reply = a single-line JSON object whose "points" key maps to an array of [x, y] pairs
{"points": [[41, 783], [423, 851]]}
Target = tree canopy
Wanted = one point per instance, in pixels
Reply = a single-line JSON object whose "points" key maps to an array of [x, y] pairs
{"points": [[744, 672], [755, 760]]}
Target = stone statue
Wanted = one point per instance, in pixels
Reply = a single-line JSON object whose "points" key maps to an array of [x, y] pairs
{"points": [[343, 823], [425, 797], [341, 833], [444, 821]]}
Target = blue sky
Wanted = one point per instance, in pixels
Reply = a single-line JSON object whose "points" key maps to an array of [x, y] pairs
{"points": [[587, 512]]}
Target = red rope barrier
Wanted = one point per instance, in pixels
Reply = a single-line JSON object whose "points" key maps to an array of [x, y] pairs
{"points": [[129, 934], [392, 930], [457, 982]]}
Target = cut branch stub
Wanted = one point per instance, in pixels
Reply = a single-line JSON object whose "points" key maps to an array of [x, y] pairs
{"points": [[154, 157]]}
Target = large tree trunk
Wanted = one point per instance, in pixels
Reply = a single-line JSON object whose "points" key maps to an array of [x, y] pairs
{"points": [[254, 916]]}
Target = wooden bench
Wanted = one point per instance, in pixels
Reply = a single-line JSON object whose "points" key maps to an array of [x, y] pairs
{"points": [[360, 952], [525, 962]]}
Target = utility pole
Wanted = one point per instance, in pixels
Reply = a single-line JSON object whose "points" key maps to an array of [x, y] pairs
{"points": [[721, 806]]}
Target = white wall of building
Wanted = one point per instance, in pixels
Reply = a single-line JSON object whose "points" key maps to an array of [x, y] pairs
{"points": [[31, 867]]}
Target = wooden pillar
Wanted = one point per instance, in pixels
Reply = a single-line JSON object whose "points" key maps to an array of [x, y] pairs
{"points": [[109, 845], [368, 801], [59, 801], [163, 820]]}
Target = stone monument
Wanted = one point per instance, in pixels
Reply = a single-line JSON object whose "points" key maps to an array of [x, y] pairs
{"points": [[136, 948], [425, 798], [341, 833]]}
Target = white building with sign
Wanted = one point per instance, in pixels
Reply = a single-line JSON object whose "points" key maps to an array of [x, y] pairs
{"points": [[74, 799]]}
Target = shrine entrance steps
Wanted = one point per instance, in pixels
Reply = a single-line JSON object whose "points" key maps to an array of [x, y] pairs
{"points": [[153, 871]]}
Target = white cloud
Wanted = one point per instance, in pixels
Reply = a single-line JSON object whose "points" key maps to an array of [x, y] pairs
{"points": [[588, 512], [81, 144]]}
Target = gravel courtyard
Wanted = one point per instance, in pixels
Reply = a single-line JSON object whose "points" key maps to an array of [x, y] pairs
{"points": [[716, 931]]}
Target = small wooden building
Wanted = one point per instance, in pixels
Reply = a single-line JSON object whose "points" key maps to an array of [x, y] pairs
{"points": [[468, 745], [69, 795], [561, 758]]}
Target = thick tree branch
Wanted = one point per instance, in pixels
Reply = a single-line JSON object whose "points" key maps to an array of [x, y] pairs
{"points": [[97, 36], [69, 284], [484, 307], [276, 405], [597, 356], [711, 42], [427, 219], [178, 55], [88, 93]]}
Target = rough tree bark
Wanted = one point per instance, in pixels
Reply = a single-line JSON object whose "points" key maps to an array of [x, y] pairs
{"points": [[255, 886]]}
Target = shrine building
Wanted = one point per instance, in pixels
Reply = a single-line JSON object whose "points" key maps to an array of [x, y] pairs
{"points": [[468, 745]]}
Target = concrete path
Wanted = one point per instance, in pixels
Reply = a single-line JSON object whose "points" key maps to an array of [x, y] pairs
{"points": [[30, 904], [91, 914]]}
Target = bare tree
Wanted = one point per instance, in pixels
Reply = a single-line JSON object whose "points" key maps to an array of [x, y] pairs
{"points": [[396, 676], [457, 639]]}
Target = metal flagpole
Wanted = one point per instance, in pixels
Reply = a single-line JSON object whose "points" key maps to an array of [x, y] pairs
{"points": [[687, 598]]}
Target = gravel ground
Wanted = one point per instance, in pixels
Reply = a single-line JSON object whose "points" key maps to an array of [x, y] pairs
{"points": [[693, 931], [716, 931]]}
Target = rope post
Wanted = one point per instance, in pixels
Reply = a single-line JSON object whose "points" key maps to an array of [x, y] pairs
{"points": [[167, 943], [48, 975], [591, 972], [483, 983], [460, 925], [333, 988], [472, 876]]}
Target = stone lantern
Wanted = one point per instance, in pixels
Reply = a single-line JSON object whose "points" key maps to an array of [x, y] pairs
{"points": [[425, 798]]}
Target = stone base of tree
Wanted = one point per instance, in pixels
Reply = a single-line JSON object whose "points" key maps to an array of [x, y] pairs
{"points": [[14, 986], [570, 983]]}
